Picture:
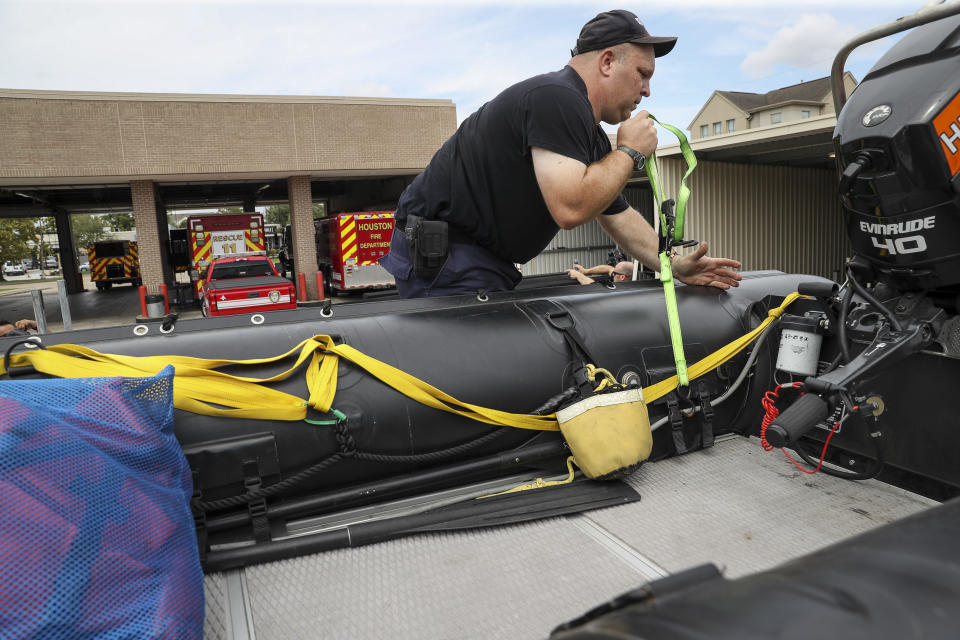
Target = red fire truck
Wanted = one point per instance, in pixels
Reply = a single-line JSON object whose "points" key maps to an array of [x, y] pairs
{"points": [[114, 262], [218, 236], [349, 246]]}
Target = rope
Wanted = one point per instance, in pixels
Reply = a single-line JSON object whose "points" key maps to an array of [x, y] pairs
{"points": [[539, 483], [434, 456]]}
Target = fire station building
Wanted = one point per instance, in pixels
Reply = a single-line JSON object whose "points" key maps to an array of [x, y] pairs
{"points": [[76, 152]]}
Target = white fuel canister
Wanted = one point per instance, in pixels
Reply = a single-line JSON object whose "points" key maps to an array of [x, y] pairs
{"points": [[800, 343]]}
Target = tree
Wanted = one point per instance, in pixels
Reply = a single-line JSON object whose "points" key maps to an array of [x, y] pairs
{"points": [[120, 221], [14, 235], [88, 229], [229, 210], [278, 214], [43, 227]]}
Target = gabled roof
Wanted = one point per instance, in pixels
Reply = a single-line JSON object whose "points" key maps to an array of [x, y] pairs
{"points": [[810, 91]]}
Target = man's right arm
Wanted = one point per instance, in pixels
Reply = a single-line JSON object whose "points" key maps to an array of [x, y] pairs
{"points": [[600, 269], [576, 193]]}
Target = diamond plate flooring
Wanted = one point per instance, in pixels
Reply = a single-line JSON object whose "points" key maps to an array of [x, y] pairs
{"points": [[735, 505]]}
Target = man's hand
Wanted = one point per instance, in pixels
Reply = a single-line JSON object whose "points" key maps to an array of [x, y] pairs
{"points": [[579, 276], [639, 134], [698, 268], [26, 325]]}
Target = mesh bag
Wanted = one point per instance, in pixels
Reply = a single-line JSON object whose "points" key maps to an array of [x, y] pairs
{"points": [[96, 535]]}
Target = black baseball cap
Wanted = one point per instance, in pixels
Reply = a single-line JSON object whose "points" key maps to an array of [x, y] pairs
{"points": [[616, 27]]}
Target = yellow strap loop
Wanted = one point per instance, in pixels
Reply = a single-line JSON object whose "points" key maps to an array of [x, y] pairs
{"points": [[200, 388]]}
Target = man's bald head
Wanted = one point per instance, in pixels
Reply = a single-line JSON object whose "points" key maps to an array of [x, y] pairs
{"points": [[623, 271]]}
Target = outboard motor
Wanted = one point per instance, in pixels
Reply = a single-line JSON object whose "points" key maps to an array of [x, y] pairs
{"points": [[897, 145], [898, 151]]}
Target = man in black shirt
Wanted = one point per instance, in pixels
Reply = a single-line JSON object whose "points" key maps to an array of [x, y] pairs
{"points": [[534, 160]]}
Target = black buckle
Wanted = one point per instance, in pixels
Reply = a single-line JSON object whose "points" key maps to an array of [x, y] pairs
{"points": [[666, 234], [676, 422], [706, 411], [199, 519], [257, 507]]}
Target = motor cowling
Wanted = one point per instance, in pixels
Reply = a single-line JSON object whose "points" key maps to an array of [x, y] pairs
{"points": [[898, 151]]}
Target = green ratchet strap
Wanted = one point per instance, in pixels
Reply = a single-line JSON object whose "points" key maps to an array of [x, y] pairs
{"points": [[673, 317], [671, 232], [683, 193]]}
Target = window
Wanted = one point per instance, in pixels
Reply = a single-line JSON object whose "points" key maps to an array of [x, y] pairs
{"points": [[704, 131], [775, 118], [731, 126], [804, 114], [717, 128]]}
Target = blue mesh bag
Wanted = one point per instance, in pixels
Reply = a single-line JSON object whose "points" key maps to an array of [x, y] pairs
{"points": [[96, 535]]}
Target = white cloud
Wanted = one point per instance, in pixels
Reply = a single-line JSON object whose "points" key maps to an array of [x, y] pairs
{"points": [[808, 44]]}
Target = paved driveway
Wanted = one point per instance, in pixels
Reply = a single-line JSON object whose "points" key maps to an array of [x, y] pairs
{"points": [[90, 308]]}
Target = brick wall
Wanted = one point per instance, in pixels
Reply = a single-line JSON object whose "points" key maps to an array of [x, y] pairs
{"points": [[304, 245], [148, 234], [54, 134]]}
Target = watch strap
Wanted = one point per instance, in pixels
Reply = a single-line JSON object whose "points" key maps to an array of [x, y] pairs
{"points": [[638, 158]]}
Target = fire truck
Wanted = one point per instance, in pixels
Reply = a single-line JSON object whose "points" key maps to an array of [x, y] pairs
{"points": [[218, 236], [349, 247], [114, 262]]}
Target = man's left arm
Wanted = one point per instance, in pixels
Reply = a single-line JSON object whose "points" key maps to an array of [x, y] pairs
{"points": [[635, 235]]}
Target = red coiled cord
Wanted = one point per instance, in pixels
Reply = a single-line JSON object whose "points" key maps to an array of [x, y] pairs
{"points": [[771, 413]]}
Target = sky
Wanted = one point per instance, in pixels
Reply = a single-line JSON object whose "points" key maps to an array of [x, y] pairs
{"points": [[465, 51]]}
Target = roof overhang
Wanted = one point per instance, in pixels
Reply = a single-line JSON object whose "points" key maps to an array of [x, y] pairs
{"points": [[806, 143], [786, 103]]}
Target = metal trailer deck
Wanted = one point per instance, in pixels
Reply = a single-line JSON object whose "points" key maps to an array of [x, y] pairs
{"points": [[735, 505]]}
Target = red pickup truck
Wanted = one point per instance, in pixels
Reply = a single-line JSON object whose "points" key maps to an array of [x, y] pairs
{"points": [[245, 284]]}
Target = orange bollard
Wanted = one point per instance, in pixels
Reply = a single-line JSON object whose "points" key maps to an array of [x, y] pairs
{"points": [[166, 301], [320, 292], [143, 301], [302, 281]]}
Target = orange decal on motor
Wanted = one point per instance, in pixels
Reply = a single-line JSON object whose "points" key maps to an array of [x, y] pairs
{"points": [[947, 126]]}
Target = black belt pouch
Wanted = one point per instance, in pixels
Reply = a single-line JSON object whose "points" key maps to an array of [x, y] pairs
{"points": [[428, 243]]}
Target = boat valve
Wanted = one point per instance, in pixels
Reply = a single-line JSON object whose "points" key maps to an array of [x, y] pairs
{"points": [[873, 406]]}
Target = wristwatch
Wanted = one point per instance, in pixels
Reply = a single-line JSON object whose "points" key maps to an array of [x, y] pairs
{"points": [[638, 158]]}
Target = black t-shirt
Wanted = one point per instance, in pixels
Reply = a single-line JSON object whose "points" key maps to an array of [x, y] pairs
{"points": [[482, 180]]}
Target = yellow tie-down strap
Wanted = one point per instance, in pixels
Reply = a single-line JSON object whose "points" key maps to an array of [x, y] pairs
{"points": [[200, 388]]}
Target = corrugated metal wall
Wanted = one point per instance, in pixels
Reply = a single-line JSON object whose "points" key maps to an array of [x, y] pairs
{"points": [[766, 217], [587, 244]]}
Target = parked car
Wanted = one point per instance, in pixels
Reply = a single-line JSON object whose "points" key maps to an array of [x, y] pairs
{"points": [[13, 269]]}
